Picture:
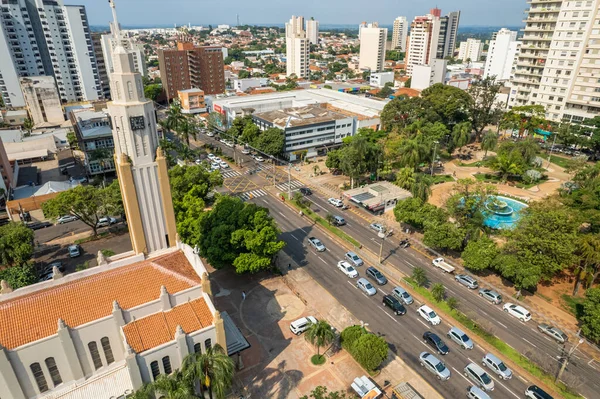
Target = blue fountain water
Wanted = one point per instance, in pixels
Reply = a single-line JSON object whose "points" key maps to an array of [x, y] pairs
{"points": [[504, 217]]}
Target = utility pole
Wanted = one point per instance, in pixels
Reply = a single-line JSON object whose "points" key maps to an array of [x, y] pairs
{"points": [[551, 150], [382, 236], [566, 359], [290, 181], [273, 160], [434, 151]]}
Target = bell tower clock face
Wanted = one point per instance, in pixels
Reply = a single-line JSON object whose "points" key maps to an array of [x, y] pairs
{"points": [[137, 122]]}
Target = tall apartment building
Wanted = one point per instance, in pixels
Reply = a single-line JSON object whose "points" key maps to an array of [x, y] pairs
{"points": [[297, 48], [373, 41], [312, 31], [502, 55], [472, 50], [42, 100], [558, 64], [400, 33], [448, 32], [102, 71], [191, 66], [423, 41], [108, 46], [45, 37]]}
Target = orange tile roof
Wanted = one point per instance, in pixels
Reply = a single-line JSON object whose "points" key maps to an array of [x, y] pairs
{"points": [[34, 316], [405, 91], [159, 328]]}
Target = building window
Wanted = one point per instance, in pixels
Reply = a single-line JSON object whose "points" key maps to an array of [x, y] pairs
{"points": [[53, 370], [207, 344], [167, 365], [155, 370], [107, 350], [197, 348], [38, 374], [93, 347]]}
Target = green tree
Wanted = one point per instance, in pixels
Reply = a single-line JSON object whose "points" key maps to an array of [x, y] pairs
{"points": [[590, 318], [270, 141], [480, 254], [438, 291], [421, 188], [319, 334], [484, 110], [350, 335], [450, 104], [19, 276], [415, 212], [16, 244], [330, 218], [187, 128], [443, 236], [321, 392], [405, 178], [369, 351], [28, 125], [525, 119], [171, 386], [452, 303], [250, 133], [384, 92], [420, 276], [151, 92], [174, 118], [72, 139], [413, 153], [588, 254], [89, 203], [489, 142], [461, 134], [508, 164], [213, 369]]}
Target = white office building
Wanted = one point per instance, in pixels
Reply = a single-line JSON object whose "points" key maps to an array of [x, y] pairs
{"points": [[502, 55], [42, 100], [297, 48], [380, 79], [108, 47], [373, 41], [45, 37], [471, 50], [312, 31], [242, 85], [424, 76], [423, 41], [558, 64], [400, 33]]}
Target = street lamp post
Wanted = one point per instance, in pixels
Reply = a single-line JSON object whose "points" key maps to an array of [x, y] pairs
{"points": [[290, 181], [434, 152], [551, 150], [566, 359], [382, 236]]}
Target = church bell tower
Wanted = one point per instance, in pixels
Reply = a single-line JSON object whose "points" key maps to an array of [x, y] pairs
{"points": [[140, 163]]}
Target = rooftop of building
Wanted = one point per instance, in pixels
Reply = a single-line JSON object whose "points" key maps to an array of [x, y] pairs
{"points": [[193, 90], [300, 116], [32, 313], [49, 187], [373, 195], [88, 130]]}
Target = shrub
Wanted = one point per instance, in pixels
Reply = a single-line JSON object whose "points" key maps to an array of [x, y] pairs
{"points": [[370, 351]]}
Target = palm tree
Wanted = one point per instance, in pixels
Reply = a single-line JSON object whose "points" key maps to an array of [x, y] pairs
{"points": [[213, 369], [488, 142], [438, 291], [330, 218], [461, 134], [187, 128], [422, 187], [589, 255], [507, 164], [412, 153], [174, 118], [420, 276], [172, 386], [319, 334], [405, 178]]}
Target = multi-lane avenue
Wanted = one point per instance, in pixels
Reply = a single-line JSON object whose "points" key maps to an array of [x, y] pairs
{"points": [[404, 333]]}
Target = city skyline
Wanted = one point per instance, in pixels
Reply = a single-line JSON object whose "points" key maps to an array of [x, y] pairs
{"points": [[150, 12]]}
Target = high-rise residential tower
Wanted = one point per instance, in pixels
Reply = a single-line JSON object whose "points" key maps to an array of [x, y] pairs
{"points": [[297, 48], [423, 41], [373, 41], [558, 66], [470, 50], [502, 55], [312, 31], [400, 33], [136, 50], [45, 37], [448, 32]]}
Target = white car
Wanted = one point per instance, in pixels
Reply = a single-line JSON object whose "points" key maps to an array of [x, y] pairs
{"points": [[429, 315], [210, 134], [211, 156], [259, 159], [302, 324], [336, 202], [347, 269], [198, 161], [223, 165], [216, 159], [377, 227], [103, 222], [245, 151], [365, 286], [517, 311], [66, 219], [215, 166], [74, 250]]}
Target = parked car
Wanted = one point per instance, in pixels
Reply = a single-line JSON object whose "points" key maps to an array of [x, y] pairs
{"points": [[429, 315], [302, 324], [210, 134], [336, 202], [517, 311], [553, 332], [364, 285], [66, 219], [74, 250], [317, 244], [479, 377], [456, 335], [215, 166], [442, 264], [347, 269], [246, 151], [38, 225], [339, 221], [217, 160], [402, 295], [467, 281], [435, 342], [354, 259], [305, 191], [50, 267], [434, 365], [535, 392], [394, 304], [490, 295], [474, 392], [376, 275], [106, 221], [259, 158], [223, 165], [497, 366], [211, 156], [198, 161], [377, 227]]}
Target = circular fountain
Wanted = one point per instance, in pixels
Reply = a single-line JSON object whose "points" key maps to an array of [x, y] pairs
{"points": [[499, 207]]}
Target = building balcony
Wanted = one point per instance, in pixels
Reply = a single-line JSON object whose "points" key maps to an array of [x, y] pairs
{"points": [[524, 80], [528, 73], [538, 38]]}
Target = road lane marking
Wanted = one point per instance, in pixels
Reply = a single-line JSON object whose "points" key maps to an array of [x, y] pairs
{"points": [[459, 373], [387, 314], [523, 379], [547, 338], [484, 313], [281, 214], [420, 321], [501, 324], [505, 387], [294, 237], [352, 284], [382, 291], [529, 343], [410, 264], [322, 260]]}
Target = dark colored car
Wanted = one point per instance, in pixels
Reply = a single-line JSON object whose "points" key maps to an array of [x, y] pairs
{"points": [[376, 275], [435, 342], [394, 304], [305, 191], [39, 225]]}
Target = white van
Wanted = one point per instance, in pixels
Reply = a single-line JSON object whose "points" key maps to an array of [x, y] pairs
{"points": [[479, 377], [302, 324]]}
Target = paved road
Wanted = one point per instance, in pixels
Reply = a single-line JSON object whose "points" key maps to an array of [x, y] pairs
{"points": [[522, 336]]}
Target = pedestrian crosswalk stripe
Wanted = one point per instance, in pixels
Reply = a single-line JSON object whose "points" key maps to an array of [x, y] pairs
{"points": [[252, 194], [230, 173], [294, 184]]}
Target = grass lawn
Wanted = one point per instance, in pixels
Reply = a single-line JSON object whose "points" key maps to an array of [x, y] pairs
{"points": [[572, 304], [471, 164], [487, 177], [437, 179], [317, 359], [560, 161]]}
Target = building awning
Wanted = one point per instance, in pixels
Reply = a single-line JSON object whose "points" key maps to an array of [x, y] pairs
{"points": [[33, 154], [236, 342]]}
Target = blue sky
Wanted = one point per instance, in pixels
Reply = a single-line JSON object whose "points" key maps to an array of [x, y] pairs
{"points": [[168, 12]]}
